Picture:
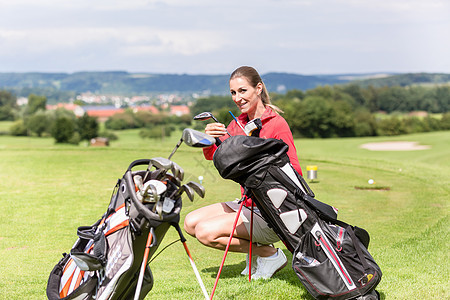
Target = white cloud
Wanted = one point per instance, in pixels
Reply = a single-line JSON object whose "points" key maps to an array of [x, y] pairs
{"points": [[206, 35], [127, 41]]}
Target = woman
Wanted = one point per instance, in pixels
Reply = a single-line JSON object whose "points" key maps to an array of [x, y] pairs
{"points": [[212, 225]]}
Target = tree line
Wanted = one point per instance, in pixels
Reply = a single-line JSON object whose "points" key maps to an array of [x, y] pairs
{"points": [[351, 110], [34, 120], [325, 111]]}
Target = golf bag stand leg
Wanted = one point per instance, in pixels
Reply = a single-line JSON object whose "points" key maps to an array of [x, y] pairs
{"points": [[250, 246], [194, 267], [149, 244], [226, 249]]}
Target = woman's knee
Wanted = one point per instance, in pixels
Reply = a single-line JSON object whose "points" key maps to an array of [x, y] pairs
{"points": [[204, 234], [190, 223]]}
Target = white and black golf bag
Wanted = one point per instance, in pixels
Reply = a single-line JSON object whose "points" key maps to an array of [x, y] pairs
{"points": [[330, 257], [105, 261]]}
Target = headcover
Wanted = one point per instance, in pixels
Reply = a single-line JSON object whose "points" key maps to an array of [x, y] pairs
{"points": [[245, 159]]}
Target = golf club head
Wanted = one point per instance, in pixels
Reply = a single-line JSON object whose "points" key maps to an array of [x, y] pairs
{"points": [[186, 189], [173, 179], [189, 192], [177, 171], [160, 163], [197, 187], [196, 138], [204, 116], [150, 194]]}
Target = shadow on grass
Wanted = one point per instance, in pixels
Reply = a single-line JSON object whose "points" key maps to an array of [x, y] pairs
{"points": [[286, 274]]}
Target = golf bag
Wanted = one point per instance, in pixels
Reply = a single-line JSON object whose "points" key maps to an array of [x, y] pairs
{"points": [[330, 257], [105, 261]]}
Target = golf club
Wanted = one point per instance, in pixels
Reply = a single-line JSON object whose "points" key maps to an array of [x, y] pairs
{"points": [[197, 187], [193, 138], [173, 179], [177, 171], [159, 163], [235, 119], [157, 189], [206, 116], [184, 188]]}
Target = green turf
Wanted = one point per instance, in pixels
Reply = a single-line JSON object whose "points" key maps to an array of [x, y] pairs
{"points": [[48, 190]]}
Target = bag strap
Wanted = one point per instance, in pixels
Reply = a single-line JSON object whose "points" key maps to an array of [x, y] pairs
{"points": [[323, 209], [358, 248]]}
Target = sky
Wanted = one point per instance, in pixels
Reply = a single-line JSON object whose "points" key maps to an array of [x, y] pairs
{"points": [[215, 37]]}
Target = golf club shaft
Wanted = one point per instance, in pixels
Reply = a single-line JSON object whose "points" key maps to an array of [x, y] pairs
{"points": [[226, 249], [235, 119], [143, 266], [176, 148], [217, 121]]}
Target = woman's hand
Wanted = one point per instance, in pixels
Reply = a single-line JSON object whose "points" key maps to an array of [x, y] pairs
{"points": [[215, 129]]}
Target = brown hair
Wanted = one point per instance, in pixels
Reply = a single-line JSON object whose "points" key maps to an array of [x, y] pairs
{"points": [[253, 78]]}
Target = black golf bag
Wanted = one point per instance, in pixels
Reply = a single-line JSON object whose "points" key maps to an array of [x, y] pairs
{"points": [[330, 257], [105, 261]]}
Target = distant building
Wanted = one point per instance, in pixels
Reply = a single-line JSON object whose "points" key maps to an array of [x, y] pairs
{"points": [[76, 109], [22, 101], [419, 114], [149, 108], [102, 113], [99, 142], [179, 110]]}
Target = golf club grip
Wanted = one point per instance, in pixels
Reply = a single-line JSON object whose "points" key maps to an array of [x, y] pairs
{"points": [[138, 162], [142, 209]]}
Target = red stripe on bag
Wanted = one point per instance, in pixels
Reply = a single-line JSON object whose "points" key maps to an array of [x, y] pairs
{"points": [[336, 260]]}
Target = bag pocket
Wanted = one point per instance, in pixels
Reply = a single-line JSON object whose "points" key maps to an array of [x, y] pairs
{"points": [[319, 280], [66, 282], [90, 255]]}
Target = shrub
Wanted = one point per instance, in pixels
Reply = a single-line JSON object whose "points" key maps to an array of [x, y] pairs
{"points": [[63, 130], [18, 128], [156, 132]]}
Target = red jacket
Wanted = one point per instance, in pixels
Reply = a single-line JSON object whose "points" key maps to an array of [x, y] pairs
{"points": [[273, 126]]}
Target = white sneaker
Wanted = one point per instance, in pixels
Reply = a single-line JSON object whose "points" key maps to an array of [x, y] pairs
{"points": [[268, 266], [254, 263]]}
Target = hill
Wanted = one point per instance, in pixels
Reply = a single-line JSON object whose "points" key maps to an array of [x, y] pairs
{"points": [[61, 86], [134, 83], [407, 80]]}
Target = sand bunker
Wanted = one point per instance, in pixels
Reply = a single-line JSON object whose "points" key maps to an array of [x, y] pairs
{"points": [[394, 146]]}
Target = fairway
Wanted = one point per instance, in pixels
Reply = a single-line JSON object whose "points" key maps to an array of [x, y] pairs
{"points": [[47, 191]]}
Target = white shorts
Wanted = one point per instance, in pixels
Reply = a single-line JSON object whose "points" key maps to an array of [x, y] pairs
{"points": [[262, 233]]}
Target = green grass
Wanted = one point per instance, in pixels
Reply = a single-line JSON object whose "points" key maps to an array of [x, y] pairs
{"points": [[48, 190], [5, 126]]}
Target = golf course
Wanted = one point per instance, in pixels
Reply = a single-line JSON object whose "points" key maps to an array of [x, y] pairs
{"points": [[48, 190]]}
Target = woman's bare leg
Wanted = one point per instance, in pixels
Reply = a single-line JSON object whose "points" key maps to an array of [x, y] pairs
{"points": [[212, 225], [198, 215]]}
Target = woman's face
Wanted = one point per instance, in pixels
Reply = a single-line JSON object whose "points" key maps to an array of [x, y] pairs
{"points": [[246, 97]]}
